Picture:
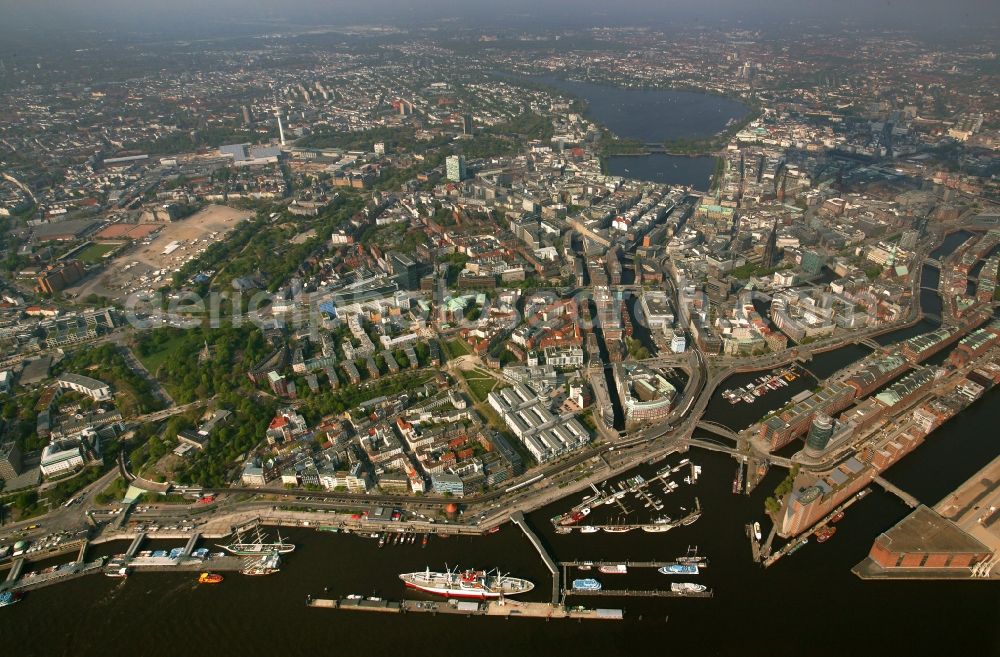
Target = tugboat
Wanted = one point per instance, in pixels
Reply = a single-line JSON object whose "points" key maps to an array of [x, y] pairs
{"points": [[209, 578], [838, 517]]}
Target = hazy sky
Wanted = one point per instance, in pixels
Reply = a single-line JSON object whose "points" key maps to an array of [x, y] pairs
{"points": [[199, 15]]}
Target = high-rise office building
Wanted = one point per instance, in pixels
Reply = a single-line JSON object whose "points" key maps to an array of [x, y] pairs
{"points": [[455, 167], [819, 433]]}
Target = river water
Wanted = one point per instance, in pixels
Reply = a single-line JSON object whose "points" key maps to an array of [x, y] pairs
{"points": [[808, 603]]}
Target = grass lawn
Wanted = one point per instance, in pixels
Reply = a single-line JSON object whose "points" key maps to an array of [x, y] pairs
{"points": [[480, 387], [457, 348], [94, 253], [166, 351]]}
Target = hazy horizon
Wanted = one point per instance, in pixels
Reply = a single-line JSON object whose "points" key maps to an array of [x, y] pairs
{"points": [[227, 16]]}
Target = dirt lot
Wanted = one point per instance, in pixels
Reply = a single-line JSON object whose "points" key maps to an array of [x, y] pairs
{"points": [[148, 266]]}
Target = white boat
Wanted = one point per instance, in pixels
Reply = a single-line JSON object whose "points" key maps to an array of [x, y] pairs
{"points": [[679, 569], [656, 528], [756, 530], [687, 587], [589, 529], [616, 569], [587, 584]]}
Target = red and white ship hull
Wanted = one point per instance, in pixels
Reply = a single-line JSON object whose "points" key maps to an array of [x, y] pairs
{"points": [[476, 585]]}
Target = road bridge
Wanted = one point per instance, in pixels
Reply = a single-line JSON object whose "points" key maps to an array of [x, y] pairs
{"points": [[717, 429]]}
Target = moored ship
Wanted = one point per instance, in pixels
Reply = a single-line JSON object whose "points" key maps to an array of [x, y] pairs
{"points": [[575, 517], [823, 534], [587, 584], [466, 584], [258, 546], [616, 569], [679, 569], [265, 565], [687, 587]]}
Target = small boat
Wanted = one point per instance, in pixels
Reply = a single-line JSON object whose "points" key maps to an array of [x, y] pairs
{"points": [[687, 587], [587, 584], [8, 598], [381, 541], [616, 569], [493, 530], [209, 578], [657, 528], [824, 534], [679, 569], [838, 517], [756, 530], [585, 566], [589, 529], [118, 572], [616, 529], [423, 542], [200, 553]]}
